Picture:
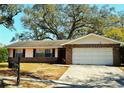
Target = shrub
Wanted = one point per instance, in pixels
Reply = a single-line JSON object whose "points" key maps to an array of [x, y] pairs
{"points": [[3, 54]]}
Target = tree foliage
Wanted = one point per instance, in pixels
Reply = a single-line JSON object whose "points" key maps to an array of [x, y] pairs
{"points": [[3, 54], [115, 33], [71, 21], [7, 14], [22, 36]]}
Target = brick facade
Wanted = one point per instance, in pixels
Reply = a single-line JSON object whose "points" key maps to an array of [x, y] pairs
{"points": [[36, 59], [68, 55], [116, 54]]}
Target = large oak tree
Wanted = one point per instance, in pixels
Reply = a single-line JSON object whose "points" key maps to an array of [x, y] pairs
{"points": [[7, 14], [70, 21]]}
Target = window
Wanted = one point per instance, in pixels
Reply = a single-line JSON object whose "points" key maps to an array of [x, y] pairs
{"points": [[43, 53], [48, 53], [40, 53], [19, 52]]}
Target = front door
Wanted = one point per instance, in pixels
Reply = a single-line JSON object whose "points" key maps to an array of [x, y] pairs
{"points": [[61, 55]]}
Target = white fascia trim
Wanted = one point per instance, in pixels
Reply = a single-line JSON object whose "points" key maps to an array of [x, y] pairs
{"points": [[94, 35]]}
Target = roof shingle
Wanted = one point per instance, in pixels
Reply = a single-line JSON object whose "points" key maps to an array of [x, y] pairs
{"points": [[38, 43]]}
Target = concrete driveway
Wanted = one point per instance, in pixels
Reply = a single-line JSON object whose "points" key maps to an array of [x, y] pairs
{"points": [[87, 76]]}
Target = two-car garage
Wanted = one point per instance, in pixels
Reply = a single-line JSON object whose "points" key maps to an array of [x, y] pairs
{"points": [[103, 56], [93, 49]]}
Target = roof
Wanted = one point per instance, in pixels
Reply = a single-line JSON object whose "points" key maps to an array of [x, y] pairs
{"points": [[54, 43], [38, 44], [92, 34]]}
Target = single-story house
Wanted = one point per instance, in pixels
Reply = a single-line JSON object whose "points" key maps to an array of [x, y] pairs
{"points": [[89, 49]]}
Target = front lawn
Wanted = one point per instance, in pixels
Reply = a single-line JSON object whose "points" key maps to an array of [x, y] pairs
{"points": [[44, 71], [25, 84], [35, 71]]}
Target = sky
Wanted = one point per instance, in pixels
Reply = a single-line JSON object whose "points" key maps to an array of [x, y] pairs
{"points": [[6, 34]]}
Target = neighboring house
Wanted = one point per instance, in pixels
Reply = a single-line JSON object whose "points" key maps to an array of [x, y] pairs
{"points": [[89, 49]]}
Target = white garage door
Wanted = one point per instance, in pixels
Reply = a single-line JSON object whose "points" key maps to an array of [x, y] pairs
{"points": [[102, 56]]}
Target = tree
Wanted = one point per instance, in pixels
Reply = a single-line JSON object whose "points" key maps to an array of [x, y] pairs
{"points": [[42, 20], [121, 19], [22, 36], [115, 33], [68, 21], [7, 14], [3, 54]]}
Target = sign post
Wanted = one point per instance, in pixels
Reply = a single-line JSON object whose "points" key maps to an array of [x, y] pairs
{"points": [[18, 70], [16, 67]]}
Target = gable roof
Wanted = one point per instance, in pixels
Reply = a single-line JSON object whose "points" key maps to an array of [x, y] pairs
{"points": [[102, 37], [54, 43], [38, 44]]}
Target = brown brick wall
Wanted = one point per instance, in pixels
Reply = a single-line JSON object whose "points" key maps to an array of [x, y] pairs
{"points": [[116, 57], [36, 59], [68, 55]]}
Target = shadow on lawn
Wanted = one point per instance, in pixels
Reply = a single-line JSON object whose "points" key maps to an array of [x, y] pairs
{"points": [[29, 75], [110, 81], [3, 85], [7, 73], [23, 74]]}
